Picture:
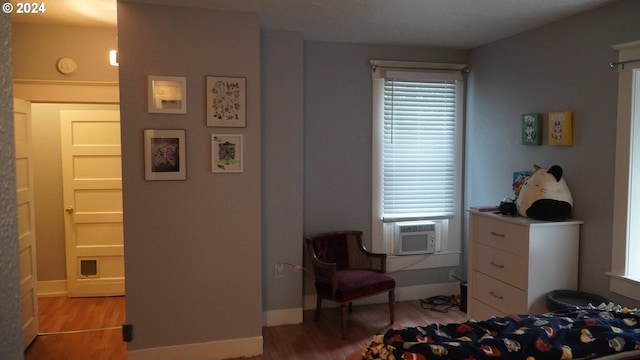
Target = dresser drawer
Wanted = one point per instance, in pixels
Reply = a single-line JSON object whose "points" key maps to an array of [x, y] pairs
{"points": [[501, 265], [482, 311], [503, 235], [499, 295]]}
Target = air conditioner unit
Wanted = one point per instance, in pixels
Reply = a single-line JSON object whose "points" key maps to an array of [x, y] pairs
{"points": [[415, 238]]}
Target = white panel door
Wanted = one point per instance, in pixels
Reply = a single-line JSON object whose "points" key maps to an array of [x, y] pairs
{"points": [[92, 191], [26, 220]]}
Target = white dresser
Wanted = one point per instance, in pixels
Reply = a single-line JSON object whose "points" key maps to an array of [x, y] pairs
{"points": [[515, 261]]}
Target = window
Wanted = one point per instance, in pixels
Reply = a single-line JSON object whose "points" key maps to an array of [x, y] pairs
{"points": [[625, 269], [417, 157]]}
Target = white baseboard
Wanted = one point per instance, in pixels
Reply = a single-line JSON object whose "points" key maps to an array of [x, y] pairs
{"points": [[282, 317], [52, 288], [406, 293], [213, 350]]}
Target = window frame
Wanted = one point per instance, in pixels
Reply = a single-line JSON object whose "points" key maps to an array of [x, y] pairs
{"points": [[628, 108], [449, 247]]}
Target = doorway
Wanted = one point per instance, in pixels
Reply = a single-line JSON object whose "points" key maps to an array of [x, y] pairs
{"points": [[49, 196]]}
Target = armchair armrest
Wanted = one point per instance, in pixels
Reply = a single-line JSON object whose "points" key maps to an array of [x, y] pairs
{"points": [[378, 261]]}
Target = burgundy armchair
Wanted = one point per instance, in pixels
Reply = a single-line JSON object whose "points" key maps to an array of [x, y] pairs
{"points": [[345, 271]]}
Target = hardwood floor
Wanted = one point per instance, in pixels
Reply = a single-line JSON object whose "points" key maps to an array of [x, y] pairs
{"points": [[310, 340], [322, 340], [63, 322]]}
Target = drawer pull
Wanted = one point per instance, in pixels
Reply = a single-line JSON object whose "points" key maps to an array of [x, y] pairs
{"points": [[496, 234], [493, 293], [497, 265]]}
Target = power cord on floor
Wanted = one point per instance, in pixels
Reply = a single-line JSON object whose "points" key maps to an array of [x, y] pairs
{"points": [[440, 303]]}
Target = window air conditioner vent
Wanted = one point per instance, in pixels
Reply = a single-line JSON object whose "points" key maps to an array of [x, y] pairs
{"points": [[415, 238]]}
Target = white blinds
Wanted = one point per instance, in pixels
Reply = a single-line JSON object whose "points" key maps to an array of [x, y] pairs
{"points": [[419, 148]]}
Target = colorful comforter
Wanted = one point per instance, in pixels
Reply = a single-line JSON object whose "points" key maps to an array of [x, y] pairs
{"points": [[576, 334]]}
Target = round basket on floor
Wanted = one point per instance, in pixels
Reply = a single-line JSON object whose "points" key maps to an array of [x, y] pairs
{"points": [[558, 300]]}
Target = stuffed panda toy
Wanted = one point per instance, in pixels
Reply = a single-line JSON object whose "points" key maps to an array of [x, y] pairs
{"points": [[545, 196]]}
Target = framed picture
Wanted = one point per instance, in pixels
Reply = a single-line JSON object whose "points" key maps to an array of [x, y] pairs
{"points": [[165, 155], [167, 94], [531, 129], [226, 101], [226, 153], [519, 178], [560, 128]]}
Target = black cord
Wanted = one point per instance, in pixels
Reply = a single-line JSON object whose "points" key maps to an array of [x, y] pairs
{"points": [[440, 303]]}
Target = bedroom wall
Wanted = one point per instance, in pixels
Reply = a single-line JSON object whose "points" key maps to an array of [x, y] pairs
{"points": [[192, 254], [337, 134], [560, 66], [282, 119]]}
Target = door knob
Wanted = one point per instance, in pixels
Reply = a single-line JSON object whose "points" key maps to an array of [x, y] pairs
{"points": [[68, 210]]}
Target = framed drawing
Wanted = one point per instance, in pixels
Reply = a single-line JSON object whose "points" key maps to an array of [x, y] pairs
{"points": [[167, 94], [560, 128], [531, 129], [226, 101], [226, 153], [165, 155]]}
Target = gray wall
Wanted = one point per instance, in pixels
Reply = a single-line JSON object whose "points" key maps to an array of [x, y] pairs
{"points": [[282, 122], [192, 250], [337, 138], [561, 66], [10, 319]]}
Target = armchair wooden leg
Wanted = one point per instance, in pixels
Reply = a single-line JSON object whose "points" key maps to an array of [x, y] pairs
{"points": [[343, 318], [392, 305], [316, 315]]}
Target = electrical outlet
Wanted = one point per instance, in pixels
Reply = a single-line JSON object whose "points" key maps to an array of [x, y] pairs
{"points": [[127, 332], [278, 271], [452, 275]]}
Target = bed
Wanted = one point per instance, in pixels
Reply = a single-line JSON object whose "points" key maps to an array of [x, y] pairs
{"points": [[607, 332]]}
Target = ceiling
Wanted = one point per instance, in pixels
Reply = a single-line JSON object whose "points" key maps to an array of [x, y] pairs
{"points": [[460, 24]]}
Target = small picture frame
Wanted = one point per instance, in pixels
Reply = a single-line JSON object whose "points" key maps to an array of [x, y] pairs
{"points": [[227, 153], [165, 153], [560, 128], [519, 178], [167, 94], [226, 101], [531, 133]]}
